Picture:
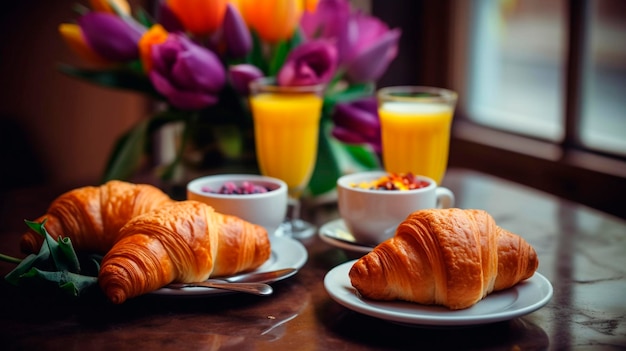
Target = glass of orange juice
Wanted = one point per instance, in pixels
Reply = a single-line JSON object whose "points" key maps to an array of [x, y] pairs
{"points": [[286, 126], [415, 129]]}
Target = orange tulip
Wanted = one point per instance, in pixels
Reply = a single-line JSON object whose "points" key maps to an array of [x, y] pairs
{"points": [[199, 17], [155, 35], [310, 5], [273, 20], [121, 7]]}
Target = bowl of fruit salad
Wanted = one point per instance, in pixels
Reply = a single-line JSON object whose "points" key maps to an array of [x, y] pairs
{"points": [[255, 198]]}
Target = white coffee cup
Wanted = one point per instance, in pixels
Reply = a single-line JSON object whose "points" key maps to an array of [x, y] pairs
{"points": [[372, 216], [266, 209]]}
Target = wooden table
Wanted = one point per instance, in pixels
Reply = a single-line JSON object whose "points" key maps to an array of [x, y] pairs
{"points": [[581, 251]]}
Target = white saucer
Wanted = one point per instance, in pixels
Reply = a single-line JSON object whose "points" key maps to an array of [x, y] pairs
{"points": [[337, 234], [523, 298], [286, 253]]}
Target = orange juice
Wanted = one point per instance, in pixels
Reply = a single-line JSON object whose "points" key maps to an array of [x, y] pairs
{"points": [[416, 137], [286, 131]]}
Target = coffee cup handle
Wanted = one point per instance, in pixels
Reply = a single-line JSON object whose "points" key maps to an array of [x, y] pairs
{"points": [[445, 197]]}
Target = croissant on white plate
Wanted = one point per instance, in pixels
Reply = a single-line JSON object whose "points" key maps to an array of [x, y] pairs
{"points": [[185, 241], [450, 257]]}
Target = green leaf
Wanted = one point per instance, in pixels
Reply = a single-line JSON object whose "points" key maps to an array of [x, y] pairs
{"points": [[363, 156], [279, 55], [128, 79], [327, 169], [353, 92], [144, 17], [67, 257], [56, 264], [229, 140], [256, 56], [127, 152], [71, 283]]}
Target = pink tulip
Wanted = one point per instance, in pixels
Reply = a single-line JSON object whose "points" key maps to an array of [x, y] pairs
{"points": [[366, 45], [311, 63]]}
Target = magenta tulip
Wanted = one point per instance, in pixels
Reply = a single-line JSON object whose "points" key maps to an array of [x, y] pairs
{"points": [[366, 46], [110, 36], [188, 75], [311, 63], [357, 122], [367, 54], [241, 76]]}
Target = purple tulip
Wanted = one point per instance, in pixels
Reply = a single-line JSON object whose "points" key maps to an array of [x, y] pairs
{"points": [[311, 63], [368, 53], [357, 122], [241, 76], [365, 44], [328, 21], [188, 75], [110, 36], [236, 33]]}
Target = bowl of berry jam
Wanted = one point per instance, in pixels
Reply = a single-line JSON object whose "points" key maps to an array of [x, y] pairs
{"points": [[255, 198]]}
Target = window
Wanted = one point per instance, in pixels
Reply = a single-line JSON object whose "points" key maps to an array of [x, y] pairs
{"points": [[516, 61], [551, 70]]}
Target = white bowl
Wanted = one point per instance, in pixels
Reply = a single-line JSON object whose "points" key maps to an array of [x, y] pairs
{"points": [[266, 209], [372, 216]]}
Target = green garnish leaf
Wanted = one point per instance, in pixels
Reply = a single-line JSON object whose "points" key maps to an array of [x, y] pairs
{"points": [[56, 264]]}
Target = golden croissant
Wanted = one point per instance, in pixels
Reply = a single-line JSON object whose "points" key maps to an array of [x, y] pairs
{"points": [[92, 216], [185, 241], [449, 257]]}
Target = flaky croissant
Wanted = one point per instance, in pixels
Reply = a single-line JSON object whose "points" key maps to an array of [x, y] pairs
{"points": [[186, 241], [449, 257], [92, 216]]}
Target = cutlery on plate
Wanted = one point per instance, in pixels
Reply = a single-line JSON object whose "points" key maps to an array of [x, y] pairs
{"points": [[253, 283], [250, 288], [261, 277]]}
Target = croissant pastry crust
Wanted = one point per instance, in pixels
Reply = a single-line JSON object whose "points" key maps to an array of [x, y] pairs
{"points": [[450, 257], [92, 216]]}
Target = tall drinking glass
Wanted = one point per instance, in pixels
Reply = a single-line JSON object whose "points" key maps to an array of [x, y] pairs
{"points": [[286, 127], [415, 126]]}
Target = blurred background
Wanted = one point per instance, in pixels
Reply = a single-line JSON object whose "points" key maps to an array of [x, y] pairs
{"points": [[542, 88]]}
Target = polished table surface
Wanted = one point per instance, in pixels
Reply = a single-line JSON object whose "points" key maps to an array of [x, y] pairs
{"points": [[582, 253]]}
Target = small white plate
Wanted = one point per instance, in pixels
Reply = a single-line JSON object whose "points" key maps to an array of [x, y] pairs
{"points": [[286, 253], [523, 298], [337, 234]]}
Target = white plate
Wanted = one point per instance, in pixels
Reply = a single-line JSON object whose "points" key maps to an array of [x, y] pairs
{"points": [[337, 234], [525, 297], [286, 253]]}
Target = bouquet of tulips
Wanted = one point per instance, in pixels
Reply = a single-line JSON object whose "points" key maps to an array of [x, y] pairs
{"points": [[197, 57]]}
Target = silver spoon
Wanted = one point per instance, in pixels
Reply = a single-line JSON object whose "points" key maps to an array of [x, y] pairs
{"points": [[254, 283], [250, 288], [262, 277]]}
